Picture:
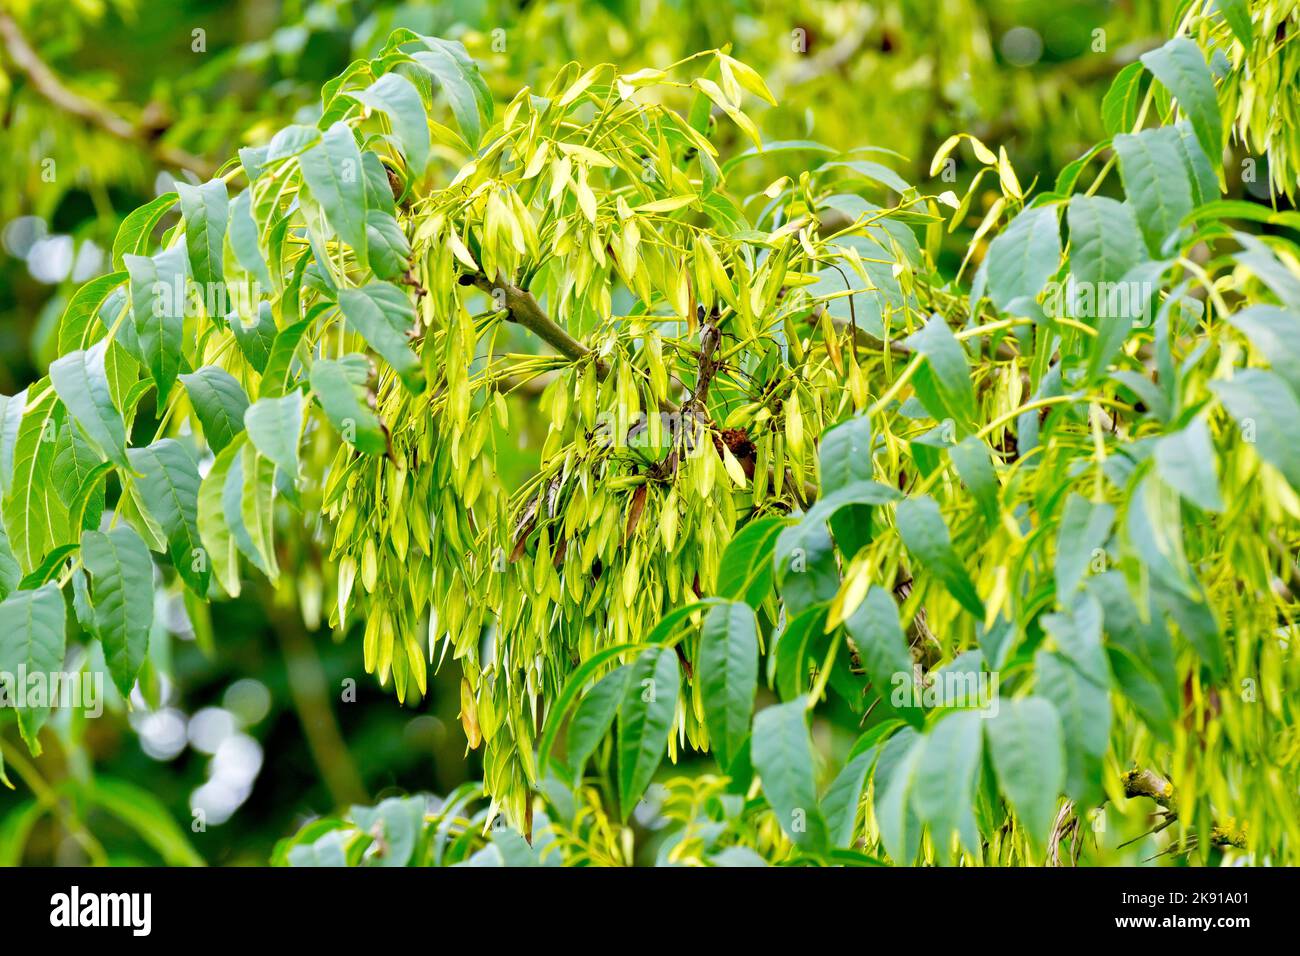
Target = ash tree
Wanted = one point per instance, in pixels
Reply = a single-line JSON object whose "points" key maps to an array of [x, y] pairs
{"points": [[1029, 521]]}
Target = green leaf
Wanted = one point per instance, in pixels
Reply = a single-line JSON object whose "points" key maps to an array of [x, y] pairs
{"points": [[644, 721], [1275, 334], [925, 534], [974, 464], [900, 827], [844, 454], [860, 492], [206, 210], [290, 141], [1068, 178], [158, 296], [943, 790], [252, 159], [848, 508], [395, 96], [1143, 693], [1268, 416], [10, 573], [783, 757], [256, 337], [379, 191], [1084, 708], [727, 671], [777, 148], [873, 171], [326, 850], [943, 382], [315, 268], [745, 572], [804, 566], [1265, 263], [82, 385], [79, 477], [1237, 15], [1104, 240], [737, 855], [1185, 461], [1023, 257], [275, 427], [1144, 641], [1077, 633], [1085, 528], [399, 820], [390, 252], [1154, 530], [32, 641], [787, 667], [461, 82], [595, 715], [246, 499], [332, 170], [214, 531], [263, 480], [1119, 107], [77, 326], [11, 418], [1196, 621], [1200, 172], [122, 369], [134, 513], [1156, 182], [1146, 392], [1028, 751], [383, 314], [245, 239], [1180, 66], [220, 403], [35, 516], [168, 485], [48, 569], [1105, 246], [276, 377], [883, 650], [843, 797], [135, 234], [577, 680], [341, 387], [145, 814], [121, 572]]}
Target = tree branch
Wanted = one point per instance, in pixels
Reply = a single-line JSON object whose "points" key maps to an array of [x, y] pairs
{"points": [[524, 310], [1139, 782], [98, 115]]}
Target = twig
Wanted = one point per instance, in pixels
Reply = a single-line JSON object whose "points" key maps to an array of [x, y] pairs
{"points": [[525, 311], [1141, 782], [98, 115], [1065, 825]]}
